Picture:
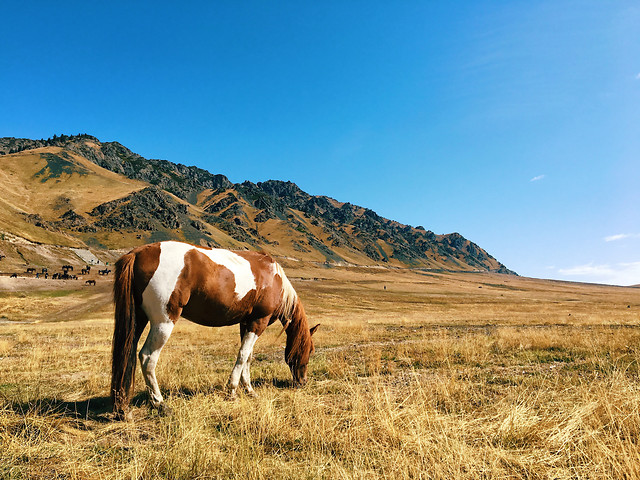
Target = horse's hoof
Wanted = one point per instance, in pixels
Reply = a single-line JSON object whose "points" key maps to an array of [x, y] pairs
{"points": [[252, 394], [232, 395], [122, 416]]}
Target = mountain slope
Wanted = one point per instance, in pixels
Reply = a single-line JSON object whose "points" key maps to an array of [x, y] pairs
{"points": [[39, 186], [158, 199]]}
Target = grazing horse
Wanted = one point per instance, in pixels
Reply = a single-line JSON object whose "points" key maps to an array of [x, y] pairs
{"points": [[159, 282], [90, 282]]}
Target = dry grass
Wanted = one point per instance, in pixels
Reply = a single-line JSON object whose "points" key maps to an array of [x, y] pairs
{"points": [[433, 377]]}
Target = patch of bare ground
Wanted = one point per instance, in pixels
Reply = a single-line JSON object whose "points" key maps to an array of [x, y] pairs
{"points": [[416, 375]]}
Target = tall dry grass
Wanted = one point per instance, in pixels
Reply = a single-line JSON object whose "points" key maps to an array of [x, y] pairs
{"points": [[434, 380]]}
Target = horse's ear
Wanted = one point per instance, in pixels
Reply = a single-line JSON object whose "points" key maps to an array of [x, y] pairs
{"points": [[313, 330]]}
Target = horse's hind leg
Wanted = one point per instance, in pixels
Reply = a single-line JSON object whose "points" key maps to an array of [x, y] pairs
{"points": [[159, 333]]}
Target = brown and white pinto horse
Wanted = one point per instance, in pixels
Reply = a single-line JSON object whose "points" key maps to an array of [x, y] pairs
{"points": [[159, 282]]}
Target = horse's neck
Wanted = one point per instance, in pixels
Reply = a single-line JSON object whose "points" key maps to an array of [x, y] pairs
{"points": [[297, 331]]}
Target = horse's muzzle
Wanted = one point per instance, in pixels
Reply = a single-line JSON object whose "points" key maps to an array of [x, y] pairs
{"points": [[299, 383]]}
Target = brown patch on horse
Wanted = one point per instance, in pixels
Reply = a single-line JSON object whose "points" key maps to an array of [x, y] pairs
{"points": [[205, 292], [147, 261], [268, 285]]}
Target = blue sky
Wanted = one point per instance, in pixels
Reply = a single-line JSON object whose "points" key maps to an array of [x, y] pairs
{"points": [[516, 124]]}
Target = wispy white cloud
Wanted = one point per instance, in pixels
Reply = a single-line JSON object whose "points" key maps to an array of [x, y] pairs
{"points": [[621, 236], [588, 269], [539, 177], [617, 274]]}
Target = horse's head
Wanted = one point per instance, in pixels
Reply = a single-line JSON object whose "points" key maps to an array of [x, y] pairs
{"points": [[297, 352]]}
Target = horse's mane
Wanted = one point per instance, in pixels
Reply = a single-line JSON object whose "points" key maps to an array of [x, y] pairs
{"points": [[288, 299], [293, 317]]}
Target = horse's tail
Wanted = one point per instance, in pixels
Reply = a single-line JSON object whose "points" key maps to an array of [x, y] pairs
{"points": [[123, 359], [288, 299]]}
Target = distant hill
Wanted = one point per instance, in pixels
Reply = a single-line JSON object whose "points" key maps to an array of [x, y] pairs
{"points": [[79, 192]]}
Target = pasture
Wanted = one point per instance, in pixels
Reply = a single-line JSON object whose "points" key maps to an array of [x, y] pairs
{"points": [[415, 375]]}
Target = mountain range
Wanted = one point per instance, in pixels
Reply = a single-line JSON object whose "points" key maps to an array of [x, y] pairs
{"points": [[78, 192]]}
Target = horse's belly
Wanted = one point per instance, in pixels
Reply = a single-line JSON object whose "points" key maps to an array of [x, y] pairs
{"points": [[211, 313]]}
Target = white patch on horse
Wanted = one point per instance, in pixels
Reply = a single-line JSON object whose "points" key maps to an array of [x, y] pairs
{"points": [[274, 269], [163, 282], [240, 267]]}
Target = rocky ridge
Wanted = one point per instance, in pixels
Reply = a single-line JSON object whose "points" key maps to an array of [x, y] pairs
{"points": [[274, 215]]}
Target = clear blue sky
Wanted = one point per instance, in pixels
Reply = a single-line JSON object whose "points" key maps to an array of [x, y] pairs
{"points": [[516, 124]]}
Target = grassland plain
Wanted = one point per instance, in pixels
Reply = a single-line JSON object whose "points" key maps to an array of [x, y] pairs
{"points": [[416, 375]]}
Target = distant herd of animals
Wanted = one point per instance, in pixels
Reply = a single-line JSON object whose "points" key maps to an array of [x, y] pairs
{"points": [[63, 274]]}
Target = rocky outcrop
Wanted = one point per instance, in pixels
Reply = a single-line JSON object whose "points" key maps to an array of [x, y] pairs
{"points": [[145, 210], [72, 220]]}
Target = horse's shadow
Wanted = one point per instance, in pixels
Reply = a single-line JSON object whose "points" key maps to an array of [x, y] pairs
{"points": [[96, 408], [219, 389], [99, 409], [275, 382]]}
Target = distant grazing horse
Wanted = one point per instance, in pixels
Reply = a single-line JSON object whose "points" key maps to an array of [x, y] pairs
{"points": [[14, 275], [31, 270], [159, 282], [90, 282], [106, 271]]}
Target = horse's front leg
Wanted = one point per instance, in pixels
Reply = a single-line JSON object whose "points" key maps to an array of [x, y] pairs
{"points": [[242, 363], [245, 378]]}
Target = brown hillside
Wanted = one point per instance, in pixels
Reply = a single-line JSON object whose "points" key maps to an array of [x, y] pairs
{"points": [[78, 191], [40, 186]]}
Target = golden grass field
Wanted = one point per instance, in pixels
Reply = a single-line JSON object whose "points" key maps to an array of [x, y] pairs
{"points": [[444, 376]]}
